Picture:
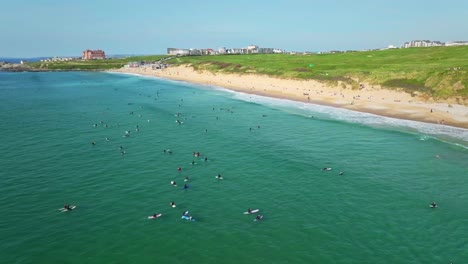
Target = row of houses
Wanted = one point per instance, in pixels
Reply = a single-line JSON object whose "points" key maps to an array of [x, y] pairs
{"points": [[58, 59], [252, 49], [155, 65], [430, 43]]}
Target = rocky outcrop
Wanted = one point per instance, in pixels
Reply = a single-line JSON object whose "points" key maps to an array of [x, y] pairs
{"points": [[15, 67]]}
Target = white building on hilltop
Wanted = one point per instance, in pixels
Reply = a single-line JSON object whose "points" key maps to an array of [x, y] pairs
{"points": [[456, 43], [422, 43]]}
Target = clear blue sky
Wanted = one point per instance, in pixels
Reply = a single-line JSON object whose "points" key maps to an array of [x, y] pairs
{"points": [[31, 28]]}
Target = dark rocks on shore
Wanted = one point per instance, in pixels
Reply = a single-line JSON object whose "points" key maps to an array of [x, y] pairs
{"points": [[15, 67]]}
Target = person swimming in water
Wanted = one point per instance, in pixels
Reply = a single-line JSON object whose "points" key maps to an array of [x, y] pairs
{"points": [[433, 205], [187, 178], [179, 169], [219, 176], [174, 183], [259, 217], [186, 186], [172, 204]]}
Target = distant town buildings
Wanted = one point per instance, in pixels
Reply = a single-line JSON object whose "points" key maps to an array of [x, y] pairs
{"points": [[93, 55], [430, 43], [251, 49], [155, 65], [456, 43], [422, 43]]}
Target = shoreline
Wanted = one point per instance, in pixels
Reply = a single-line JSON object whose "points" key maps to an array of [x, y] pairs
{"points": [[369, 99]]}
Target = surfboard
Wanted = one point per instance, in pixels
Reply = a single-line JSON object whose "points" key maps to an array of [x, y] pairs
{"points": [[173, 206], [431, 206], [66, 210], [253, 211], [219, 178], [187, 218], [152, 216]]}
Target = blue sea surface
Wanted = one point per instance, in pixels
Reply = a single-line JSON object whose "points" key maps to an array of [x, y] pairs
{"points": [[111, 144]]}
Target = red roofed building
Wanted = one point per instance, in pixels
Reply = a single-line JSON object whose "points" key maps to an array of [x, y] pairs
{"points": [[93, 54]]}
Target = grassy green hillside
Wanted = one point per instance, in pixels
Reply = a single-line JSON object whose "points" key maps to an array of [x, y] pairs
{"points": [[426, 70], [441, 72], [92, 64]]}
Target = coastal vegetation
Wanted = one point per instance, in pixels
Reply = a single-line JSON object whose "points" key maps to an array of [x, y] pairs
{"points": [[105, 64], [439, 72]]}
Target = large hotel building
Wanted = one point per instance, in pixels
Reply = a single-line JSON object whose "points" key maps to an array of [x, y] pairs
{"points": [[93, 54]]}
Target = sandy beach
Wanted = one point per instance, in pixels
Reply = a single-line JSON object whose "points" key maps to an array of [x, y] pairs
{"points": [[369, 98]]}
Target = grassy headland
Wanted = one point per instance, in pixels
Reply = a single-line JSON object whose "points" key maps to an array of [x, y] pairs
{"points": [[92, 64], [439, 72]]}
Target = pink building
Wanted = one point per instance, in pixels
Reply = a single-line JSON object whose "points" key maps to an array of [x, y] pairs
{"points": [[93, 54]]}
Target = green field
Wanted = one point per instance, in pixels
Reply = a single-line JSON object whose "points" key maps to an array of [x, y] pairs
{"points": [[93, 64], [440, 72], [426, 70]]}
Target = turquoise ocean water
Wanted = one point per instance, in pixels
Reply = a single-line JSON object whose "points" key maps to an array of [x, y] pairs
{"points": [[270, 153]]}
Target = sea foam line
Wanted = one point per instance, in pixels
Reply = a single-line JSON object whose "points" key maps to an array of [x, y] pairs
{"points": [[444, 133], [448, 134]]}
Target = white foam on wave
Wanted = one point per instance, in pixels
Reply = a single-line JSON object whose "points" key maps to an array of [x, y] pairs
{"points": [[449, 134]]}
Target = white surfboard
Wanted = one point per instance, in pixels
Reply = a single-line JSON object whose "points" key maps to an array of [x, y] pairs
{"points": [[66, 210], [253, 211], [152, 216]]}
